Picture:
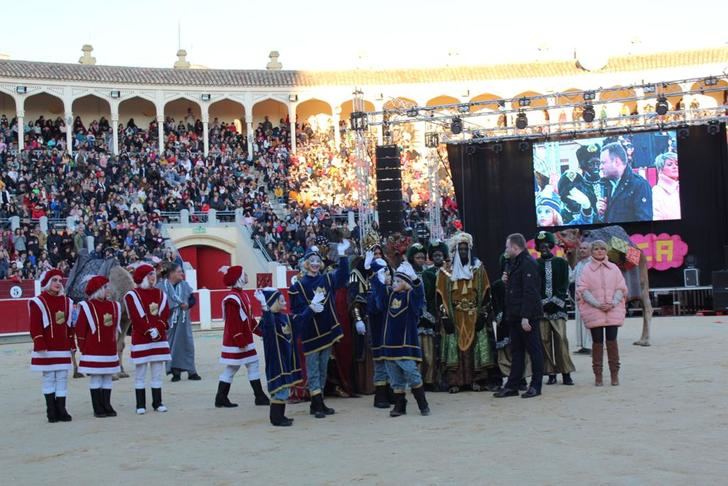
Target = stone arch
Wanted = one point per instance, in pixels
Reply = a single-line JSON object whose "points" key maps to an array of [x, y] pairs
{"points": [[91, 107], [348, 106], [43, 104], [534, 103], [399, 103], [179, 107], [490, 98], [271, 107], [7, 105], [315, 112], [617, 107], [718, 96], [228, 110], [442, 100], [140, 108]]}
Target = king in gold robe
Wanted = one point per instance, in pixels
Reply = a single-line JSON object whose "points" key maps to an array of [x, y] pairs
{"points": [[463, 288]]}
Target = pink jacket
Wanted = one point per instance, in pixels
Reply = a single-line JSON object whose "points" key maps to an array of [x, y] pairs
{"points": [[602, 280]]}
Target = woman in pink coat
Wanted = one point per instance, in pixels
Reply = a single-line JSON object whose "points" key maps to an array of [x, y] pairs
{"points": [[601, 293]]}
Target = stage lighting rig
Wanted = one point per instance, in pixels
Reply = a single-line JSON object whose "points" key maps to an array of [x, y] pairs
{"points": [[456, 125], [359, 121], [521, 120], [662, 107], [432, 139], [589, 95], [464, 108], [524, 101], [588, 114]]}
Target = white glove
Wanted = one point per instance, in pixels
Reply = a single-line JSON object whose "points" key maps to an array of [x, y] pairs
{"points": [[407, 269], [260, 297], [342, 247], [368, 260], [361, 329], [580, 198], [318, 298], [317, 308], [154, 333], [382, 275]]}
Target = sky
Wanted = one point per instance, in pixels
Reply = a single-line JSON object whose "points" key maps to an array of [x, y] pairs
{"points": [[370, 34]]}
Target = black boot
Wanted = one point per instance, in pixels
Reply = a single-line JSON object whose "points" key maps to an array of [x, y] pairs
{"points": [[50, 399], [380, 397], [317, 406], [61, 412], [106, 402], [391, 397], [141, 401], [567, 380], [260, 397], [552, 380], [221, 399], [400, 405], [176, 372], [327, 410], [283, 411], [419, 394], [157, 404], [276, 415], [96, 403]]}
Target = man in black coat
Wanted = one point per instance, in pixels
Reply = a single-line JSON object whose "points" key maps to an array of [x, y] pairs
{"points": [[629, 196], [523, 312]]}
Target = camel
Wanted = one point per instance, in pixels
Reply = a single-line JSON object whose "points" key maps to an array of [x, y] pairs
{"points": [[120, 282], [569, 240]]}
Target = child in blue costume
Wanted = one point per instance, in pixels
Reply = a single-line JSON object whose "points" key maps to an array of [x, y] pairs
{"points": [[282, 370], [312, 303], [401, 348]]}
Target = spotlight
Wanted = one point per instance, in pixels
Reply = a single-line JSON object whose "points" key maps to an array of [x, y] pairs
{"points": [[711, 81], [661, 107], [521, 120], [456, 125], [464, 108], [524, 101], [649, 88], [588, 114], [116, 94], [713, 128], [359, 121], [432, 139], [523, 146], [21, 89], [683, 133], [205, 97], [413, 112], [470, 150], [497, 148], [501, 104], [589, 95]]}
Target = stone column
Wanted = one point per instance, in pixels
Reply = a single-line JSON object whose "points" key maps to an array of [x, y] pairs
{"points": [[249, 126], [206, 137], [292, 122], [115, 128], [160, 133], [21, 129], [337, 133], [69, 132]]}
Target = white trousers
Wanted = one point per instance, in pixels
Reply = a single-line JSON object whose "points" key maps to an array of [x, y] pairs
{"points": [[100, 381], [55, 382], [140, 375], [229, 372]]}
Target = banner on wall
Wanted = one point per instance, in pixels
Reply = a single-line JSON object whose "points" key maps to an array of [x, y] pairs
{"points": [[662, 251]]}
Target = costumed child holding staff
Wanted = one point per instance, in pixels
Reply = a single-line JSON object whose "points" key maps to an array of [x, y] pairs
{"points": [[52, 333], [401, 348], [282, 369], [97, 327]]}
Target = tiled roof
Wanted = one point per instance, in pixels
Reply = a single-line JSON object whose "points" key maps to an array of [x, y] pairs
{"points": [[30, 70]]}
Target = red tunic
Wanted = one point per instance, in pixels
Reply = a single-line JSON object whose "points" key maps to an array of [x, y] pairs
{"points": [[97, 327], [238, 347], [50, 327], [147, 309]]}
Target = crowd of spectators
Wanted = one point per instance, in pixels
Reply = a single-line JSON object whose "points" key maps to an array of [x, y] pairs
{"points": [[288, 201]]}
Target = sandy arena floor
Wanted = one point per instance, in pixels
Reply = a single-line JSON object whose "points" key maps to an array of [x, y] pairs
{"points": [[666, 424]]}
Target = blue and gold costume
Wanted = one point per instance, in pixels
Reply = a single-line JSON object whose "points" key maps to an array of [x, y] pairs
{"points": [[282, 369], [319, 331]]}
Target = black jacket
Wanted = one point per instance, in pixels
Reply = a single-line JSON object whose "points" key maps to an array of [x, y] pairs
{"points": [[523, 290], [630, 201]]}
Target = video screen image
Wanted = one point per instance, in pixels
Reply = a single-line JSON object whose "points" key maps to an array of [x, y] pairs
{"points": [[614, 179]]}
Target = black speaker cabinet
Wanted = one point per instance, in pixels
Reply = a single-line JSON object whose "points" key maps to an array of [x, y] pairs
{"points": [[720, 290], [389, 189]]}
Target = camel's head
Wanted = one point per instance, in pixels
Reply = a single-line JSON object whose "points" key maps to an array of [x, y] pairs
{"points": [[569, 239]]}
